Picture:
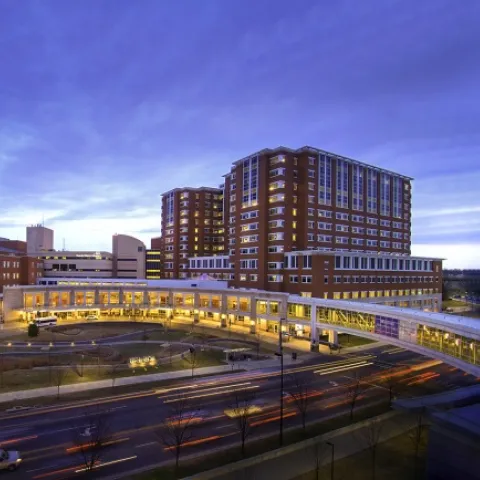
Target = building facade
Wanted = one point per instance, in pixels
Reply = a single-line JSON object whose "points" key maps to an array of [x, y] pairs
{"points": [[290, 215], [455, 340], [74, 264], [128, 256], [39, 239], [192, 225], [153, 264], [17, 268]]}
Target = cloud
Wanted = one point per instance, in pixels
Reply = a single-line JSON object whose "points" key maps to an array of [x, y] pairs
{"points": [[105, 107]]}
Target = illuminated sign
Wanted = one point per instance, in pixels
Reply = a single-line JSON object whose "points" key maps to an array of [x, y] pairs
{"points": [[149, 360]]}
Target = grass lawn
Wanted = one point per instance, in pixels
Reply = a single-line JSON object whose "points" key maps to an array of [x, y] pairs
{"points": [[28, 378], [75, 333], [394, 461], [233, 454], [453, 303]]}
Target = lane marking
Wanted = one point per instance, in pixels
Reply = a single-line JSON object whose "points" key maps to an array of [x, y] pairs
{"points": [[145, 444]]}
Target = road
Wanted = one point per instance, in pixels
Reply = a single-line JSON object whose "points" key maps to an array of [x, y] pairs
{"points": [[134, 425]]}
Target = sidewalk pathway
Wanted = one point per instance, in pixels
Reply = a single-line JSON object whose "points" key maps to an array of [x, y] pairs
{"points": [[82, 387]]}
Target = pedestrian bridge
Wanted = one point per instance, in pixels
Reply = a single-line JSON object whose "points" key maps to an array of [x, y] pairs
{"points": [[453, 339]]}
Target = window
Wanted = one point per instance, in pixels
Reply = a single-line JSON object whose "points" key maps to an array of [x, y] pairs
{"points": [[358, 230], [276, 211], [277, 172], [385, 233], [276, 223], [311, 212], [306, 279], [324, 238], [341, 228], [275, 278], [372, 221], [307, 261], [276, 185], [311, 173], [372, 231], [275, 236], [341, 240], [275, 249], [249, 238], [358, 218], [293, 278], [249, 226], [324, 226], [311, 199], [311, 186], [325, 213], [341, 216], [247, 215], [325, 180], [358, 241], [342, 184], [278, 197]]}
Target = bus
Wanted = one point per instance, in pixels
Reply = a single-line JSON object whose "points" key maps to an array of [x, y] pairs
{"points": [[45, 321]]}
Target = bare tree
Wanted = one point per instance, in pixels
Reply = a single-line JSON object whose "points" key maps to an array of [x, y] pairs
{"points": [[241, 408], [92, 436], [192, 359], [258, 341], [418, 439], [392, 384], [113, 371], [371, 434], [60, 374], [177, 429], [353, 392], [300, 393]]}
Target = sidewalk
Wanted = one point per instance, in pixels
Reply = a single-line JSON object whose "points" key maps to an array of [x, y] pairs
{"points": [[154, 377], [82, 387]]}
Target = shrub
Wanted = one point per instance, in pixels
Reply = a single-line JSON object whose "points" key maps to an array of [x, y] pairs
{"points": [[33, 330]]}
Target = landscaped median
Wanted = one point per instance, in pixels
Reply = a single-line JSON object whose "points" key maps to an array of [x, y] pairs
{"points": [[303, 452]]}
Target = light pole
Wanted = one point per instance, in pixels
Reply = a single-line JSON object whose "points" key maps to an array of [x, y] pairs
{"points": [[332, 445], [280, 348]]}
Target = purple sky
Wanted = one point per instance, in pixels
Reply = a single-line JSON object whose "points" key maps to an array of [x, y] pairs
{"points": [[106, 104]]}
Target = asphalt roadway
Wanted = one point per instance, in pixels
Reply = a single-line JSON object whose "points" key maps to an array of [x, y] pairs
{"points": [[54, 442]]}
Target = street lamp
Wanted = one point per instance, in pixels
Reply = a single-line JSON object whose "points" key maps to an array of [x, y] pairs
{"points": [[280, 354], [332, 445]]}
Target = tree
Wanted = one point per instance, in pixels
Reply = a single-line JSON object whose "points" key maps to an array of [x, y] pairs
{"points": [[418, 439], [113, 371], [353, 392], [33, 330], [192, 359], [300, 392], [60, 374], [177, 429], [91, 436], [392, 385], [371, 434], [242, 407]]}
